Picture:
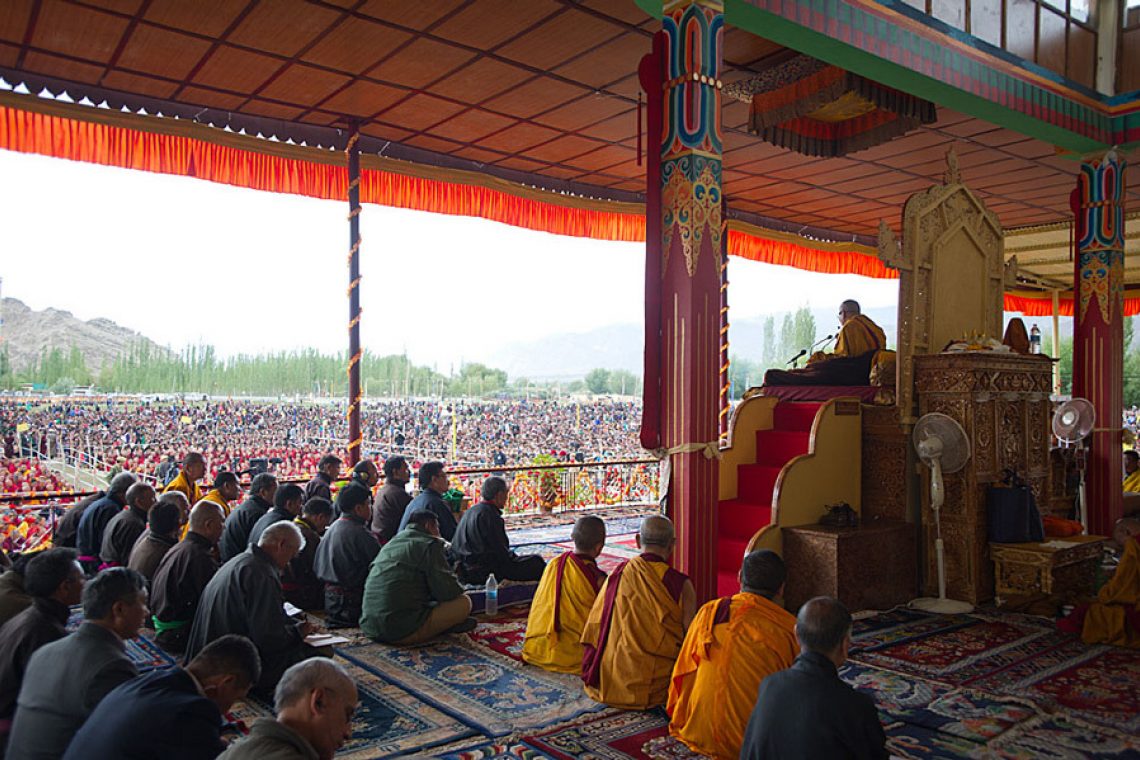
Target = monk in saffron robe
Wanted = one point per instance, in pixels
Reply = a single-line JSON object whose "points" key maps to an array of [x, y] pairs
{"points": [[636, 626], [1114, 618], [567, 591], [193, 468], [850, 364], [733, 644]]}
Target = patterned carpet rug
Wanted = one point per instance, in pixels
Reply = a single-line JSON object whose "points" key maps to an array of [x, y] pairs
{"points": [[488, 691], [638, 735], [390, 722], [534, 529], [503, 633]]}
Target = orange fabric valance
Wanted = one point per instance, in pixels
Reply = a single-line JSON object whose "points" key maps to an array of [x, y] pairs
{"points": [[1043, 307]]}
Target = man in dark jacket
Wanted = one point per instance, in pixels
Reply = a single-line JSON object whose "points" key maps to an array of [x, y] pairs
{"points": [[183, 574], [13, 598], [320, 487], [164, 523], [411, 595], [173, 712], [245, 598], [388, 509], [55, 581], [806, 710], [67, 529], [286, 506], [125, 528], [235, 538], [300, 583], [343, 557], [481, 546], [66, 679], [95, 519], [433, 484]]}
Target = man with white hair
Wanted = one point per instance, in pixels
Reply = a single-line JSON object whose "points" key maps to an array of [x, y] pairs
{"points": [[315, 701], [245, 597], [634, 632]]}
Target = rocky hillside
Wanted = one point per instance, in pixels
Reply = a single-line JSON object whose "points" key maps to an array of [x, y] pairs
{"points": [[27, 332]]}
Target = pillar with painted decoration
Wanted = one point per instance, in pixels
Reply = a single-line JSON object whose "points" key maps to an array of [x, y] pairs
{"points": [[1098, 328], [683, 272]]}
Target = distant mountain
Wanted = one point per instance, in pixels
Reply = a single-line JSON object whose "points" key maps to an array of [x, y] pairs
{"points": [[27, 332]]}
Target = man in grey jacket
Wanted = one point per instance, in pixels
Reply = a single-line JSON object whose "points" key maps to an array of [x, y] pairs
{"points": [[315, 702], [66, 679]]}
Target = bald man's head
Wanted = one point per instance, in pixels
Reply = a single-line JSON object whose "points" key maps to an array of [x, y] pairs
{"points": [[208, 520], [656, 534], [1125, 528], [823, 626], [589, 535]]}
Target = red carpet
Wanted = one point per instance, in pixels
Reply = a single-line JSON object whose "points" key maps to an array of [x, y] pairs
{"points": [[738, 519]]}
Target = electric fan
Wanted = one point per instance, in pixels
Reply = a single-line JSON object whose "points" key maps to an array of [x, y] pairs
{"points": [[1072, 423], [942, 446]]}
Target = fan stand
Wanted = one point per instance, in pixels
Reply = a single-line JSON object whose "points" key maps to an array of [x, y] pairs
{"points": [[940, 605]]}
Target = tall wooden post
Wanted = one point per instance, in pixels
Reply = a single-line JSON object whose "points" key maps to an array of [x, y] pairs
{"points": [[1098, 328], [352, 152], [687, 275]]}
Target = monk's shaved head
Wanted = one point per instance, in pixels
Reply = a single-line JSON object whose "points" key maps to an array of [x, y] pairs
{"points": [[589, 531], [204, 513], [656, 531], [1125, 528], [823, 625], [763, 573]]}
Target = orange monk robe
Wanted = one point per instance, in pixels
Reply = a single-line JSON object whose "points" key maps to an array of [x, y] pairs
{"points": [[215, 496], [558, 613], [1114, 618], [732, 645], [633, 634], [192, 491], [857, 336]]}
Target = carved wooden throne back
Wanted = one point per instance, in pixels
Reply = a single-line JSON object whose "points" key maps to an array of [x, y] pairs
{"points": [[952, 273]]}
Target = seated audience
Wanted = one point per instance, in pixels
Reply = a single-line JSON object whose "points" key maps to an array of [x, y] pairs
{"points": [[225, 490], [634, 632], [182, 575], [95, 518], [320, 487], [807, 710], [66, 679], [1114, 617], [564, 597], [55, 582], [733, 644], [364, 477], [164, 523], [481, 546], [343, 559], [301, 585], [850, 364], [171, 712], [67, 529], [186, 481], [244, 597], [235, 538], [13, 598], [433, 484], [286, 506], [393, 498], [411, 595], [315, 703], [125, 528]]}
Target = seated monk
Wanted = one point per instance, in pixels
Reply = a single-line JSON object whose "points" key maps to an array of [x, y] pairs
{"points": [[634, 632], [850, 364], [733, 644], [564, 597], [1131, 485], [1114, 618]]}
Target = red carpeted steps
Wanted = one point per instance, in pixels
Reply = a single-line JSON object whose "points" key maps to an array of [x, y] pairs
{"points": [[738, 519]]}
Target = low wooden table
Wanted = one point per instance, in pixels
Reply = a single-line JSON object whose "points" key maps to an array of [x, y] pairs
{"points": [[871, 567], [1064, 567]]}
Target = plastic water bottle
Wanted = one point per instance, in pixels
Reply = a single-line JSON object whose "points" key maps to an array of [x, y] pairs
{"points": [[1035, 340], [492, 591]]}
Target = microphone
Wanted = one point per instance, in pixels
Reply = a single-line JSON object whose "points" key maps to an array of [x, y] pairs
{"points": [[797, 356], [824, 339]]}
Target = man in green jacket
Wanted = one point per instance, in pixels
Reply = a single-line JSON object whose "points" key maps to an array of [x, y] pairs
{"points": [[411, 595]]}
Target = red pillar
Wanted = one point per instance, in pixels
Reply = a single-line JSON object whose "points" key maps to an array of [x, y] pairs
{"points": [[352, 152], [683, 274], [1098, 328]]}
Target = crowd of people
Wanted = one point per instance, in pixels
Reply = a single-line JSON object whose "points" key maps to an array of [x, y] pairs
{"points": [[149, 437]]}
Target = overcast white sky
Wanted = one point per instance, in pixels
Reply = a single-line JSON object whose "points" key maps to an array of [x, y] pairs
{"points": [[187, 261]]}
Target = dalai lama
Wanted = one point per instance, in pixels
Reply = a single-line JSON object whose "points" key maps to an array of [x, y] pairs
{"points": [[850, 364]]}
